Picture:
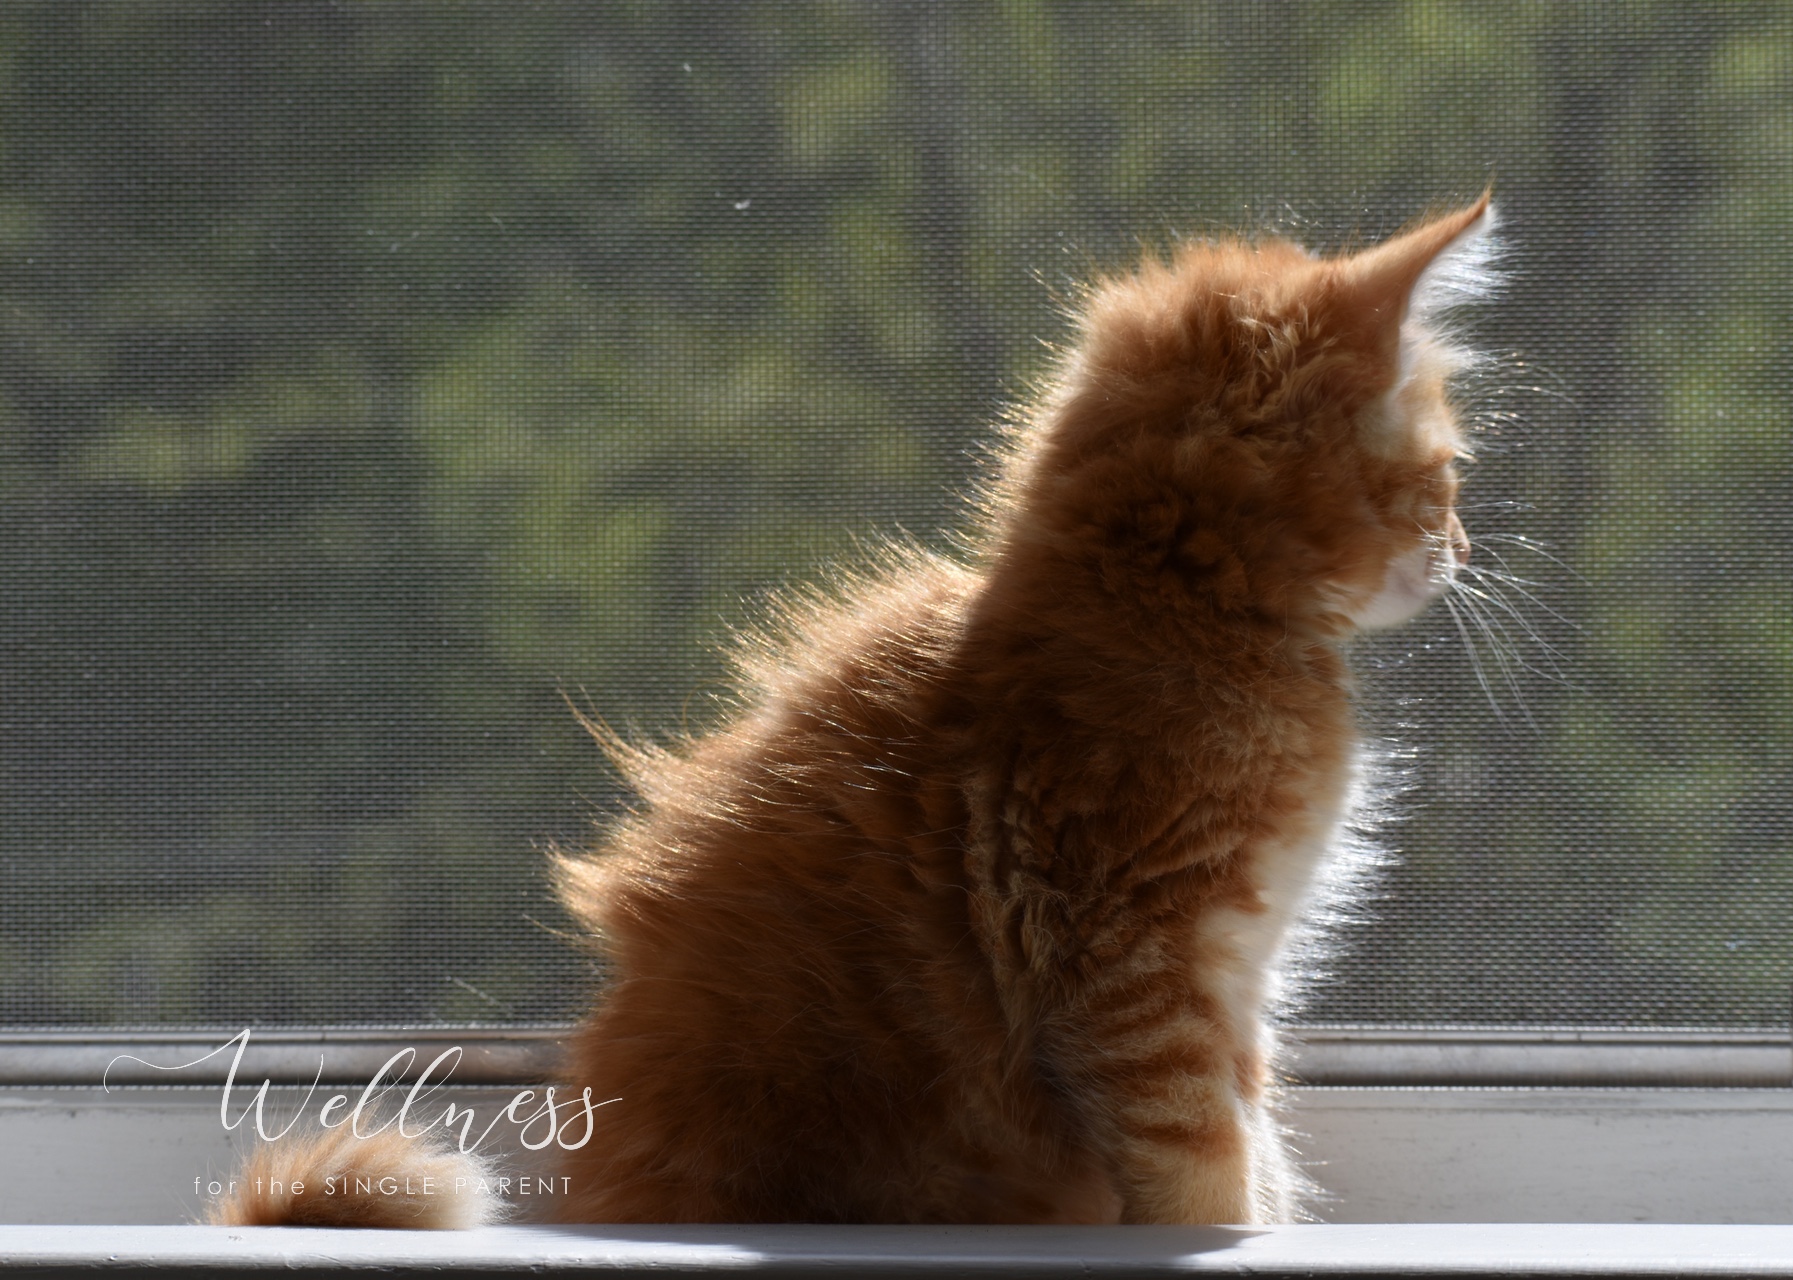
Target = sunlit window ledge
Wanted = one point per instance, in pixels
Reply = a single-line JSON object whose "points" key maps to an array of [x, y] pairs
{"points": [[1393, 1153], [1376, 1056], [1344, 1250]]}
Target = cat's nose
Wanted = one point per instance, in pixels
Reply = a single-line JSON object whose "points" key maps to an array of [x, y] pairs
{"points": [[1459, 537]]}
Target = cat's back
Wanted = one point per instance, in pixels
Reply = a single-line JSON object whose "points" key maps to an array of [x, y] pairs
{"points": [[848, 706], [798, 1023]]}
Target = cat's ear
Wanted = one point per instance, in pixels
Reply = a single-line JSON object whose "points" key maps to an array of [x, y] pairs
{"points": [[1394, 295]]}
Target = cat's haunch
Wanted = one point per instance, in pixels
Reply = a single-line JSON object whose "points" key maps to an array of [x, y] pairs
{"points": [[974, 911]]}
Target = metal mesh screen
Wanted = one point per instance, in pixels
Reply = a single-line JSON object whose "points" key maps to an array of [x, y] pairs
{"points": [[374, 375]]}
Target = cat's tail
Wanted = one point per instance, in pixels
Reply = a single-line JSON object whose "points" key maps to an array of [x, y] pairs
{"points": [[336, 1179]]}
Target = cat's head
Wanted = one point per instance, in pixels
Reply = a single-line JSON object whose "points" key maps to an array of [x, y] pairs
{"points": [[1254, 430]]}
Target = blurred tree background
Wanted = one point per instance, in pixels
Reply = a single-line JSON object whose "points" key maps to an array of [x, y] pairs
{"points": [[377, 377]]}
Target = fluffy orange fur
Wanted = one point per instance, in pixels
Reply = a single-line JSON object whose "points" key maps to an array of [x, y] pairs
{"points": [[972, 912], [335, 1179]]}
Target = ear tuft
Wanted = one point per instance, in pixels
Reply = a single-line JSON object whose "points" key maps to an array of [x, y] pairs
{"points": [[1463, 272], [1393, 298]]}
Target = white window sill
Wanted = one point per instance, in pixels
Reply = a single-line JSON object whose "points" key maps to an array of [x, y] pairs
{"points": [[1438, 1126], [1489, 1155], [1358, 1251], [1360, 1056]]}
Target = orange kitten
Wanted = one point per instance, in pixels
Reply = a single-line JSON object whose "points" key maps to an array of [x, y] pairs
{"points": [[973, 912]]}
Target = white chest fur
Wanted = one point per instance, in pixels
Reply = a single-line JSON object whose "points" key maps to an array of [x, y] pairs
{"points": [[1243, 951]]}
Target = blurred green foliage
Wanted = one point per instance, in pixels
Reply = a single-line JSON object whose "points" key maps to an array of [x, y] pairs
{"points": [[377, 377]]}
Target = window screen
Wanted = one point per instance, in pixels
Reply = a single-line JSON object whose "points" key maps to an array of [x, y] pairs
{"points": [[377, 380]]}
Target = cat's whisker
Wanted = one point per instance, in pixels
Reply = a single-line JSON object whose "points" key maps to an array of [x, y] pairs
{"points": [[1468, 624], [1504, 583], [1525, 625], [1492, 589], [1486, 541], [1501, 505], [1494, 580], [1509, 613], [1507, 565], [1506, 661], [1517, 539], [1498, 646], [1502, 574], [1546, 670], [1452, 606], [1513, 670]]}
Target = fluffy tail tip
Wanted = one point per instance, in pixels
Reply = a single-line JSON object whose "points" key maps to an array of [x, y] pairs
{"points": [[335, 1179]]}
